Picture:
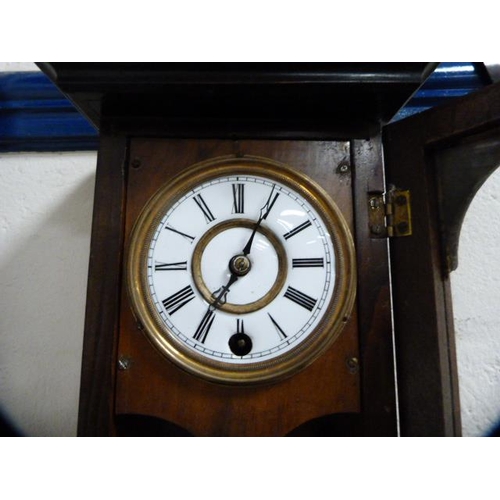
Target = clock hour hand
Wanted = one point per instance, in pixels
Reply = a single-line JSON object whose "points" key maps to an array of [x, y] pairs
{"points": [[264, 212], [220, 296], [206, 323]]}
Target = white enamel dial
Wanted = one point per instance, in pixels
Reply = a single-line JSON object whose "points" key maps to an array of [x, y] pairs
{"points": [[239, 271]]}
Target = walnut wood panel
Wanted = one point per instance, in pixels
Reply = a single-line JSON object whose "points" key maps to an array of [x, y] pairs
{"points": [[103, 292], [154, 387]]}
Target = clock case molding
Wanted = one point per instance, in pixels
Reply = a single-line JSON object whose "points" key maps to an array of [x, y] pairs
{"points": [[441, 156]]}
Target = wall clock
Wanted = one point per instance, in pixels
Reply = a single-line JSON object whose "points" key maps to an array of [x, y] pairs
{"points": [[241, 270], [194, 327]]}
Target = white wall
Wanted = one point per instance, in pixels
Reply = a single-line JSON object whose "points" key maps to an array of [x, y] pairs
{"points": [[476, 302], [45, 218]]}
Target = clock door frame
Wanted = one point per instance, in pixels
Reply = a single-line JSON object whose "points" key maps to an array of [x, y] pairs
{"points": [[442, 156]]}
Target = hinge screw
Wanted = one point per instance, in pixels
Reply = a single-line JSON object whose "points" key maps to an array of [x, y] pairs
{"points": [[136, 163], [374, 203], [401, 200], [124, 363]]}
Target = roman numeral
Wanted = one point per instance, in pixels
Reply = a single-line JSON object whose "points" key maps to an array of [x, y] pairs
{"points": [[238, 198], [174, 266], [281, 333], [300, 298], [239, 326], [179, 299], [308, 262], [297, 230], [205, 325], [204, 208], [184, 235]]}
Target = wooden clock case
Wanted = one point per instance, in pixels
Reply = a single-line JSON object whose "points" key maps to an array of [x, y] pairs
{"points": [[393, 369]]}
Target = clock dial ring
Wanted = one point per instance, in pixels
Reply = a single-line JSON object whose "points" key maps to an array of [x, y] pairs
{"points": [[270, 294], [288, 360]]}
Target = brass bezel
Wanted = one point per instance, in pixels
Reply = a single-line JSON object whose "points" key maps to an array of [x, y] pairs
{"points": [[287, 364]]}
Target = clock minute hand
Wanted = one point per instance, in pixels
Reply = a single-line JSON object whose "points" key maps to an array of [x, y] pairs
{"points": [[264, 212]]}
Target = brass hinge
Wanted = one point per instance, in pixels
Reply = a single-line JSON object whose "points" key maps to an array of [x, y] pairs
{"points": [[390, 213]]}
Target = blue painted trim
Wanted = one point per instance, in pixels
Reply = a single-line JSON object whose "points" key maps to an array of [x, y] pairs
{"points": [[36, 116], [448, 81]]}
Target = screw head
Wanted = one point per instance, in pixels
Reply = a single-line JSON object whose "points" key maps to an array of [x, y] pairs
{"points": [[124, 363], [343, 168], [401, 200], [240, 265], [353, 364]]}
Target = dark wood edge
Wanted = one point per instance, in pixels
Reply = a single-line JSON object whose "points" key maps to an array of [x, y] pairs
{"points": [[378, 392], [293, 128], [423, 318], [458, 118], [103, 291]]}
